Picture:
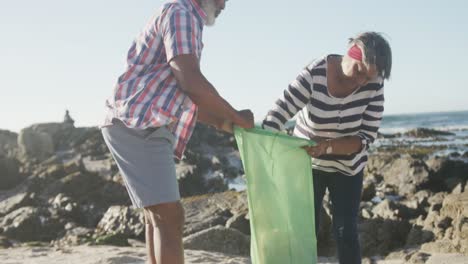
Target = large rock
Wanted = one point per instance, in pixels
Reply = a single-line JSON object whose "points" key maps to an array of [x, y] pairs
{"points": [[93, 195], [203, 212], [380, 236], [14, 199], [4, 242], [440, 246], [406, 173], [9, 172], [368, 190], [199, 177], [64, 207], [8, 143], [36, 145], [445, 228], [30, 224], [88, 187], [89, 142], [386, 210], [123, 220], [430, 226], [455, 208], [210, 160], [394, 210], [74, 235], [219, 239], [190, 176], [40, 141], [418, 235], [239, 222], [54, 168], [427, 132], [446, 174], [377, 162]]}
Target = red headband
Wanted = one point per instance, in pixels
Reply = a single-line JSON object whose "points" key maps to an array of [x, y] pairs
{"points": [[355, 53]]}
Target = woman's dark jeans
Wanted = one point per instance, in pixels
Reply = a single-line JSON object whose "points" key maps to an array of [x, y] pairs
{"points": [[345, 196]]}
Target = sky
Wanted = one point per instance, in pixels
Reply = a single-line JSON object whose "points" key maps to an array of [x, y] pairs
{"points": [[57, 55]]}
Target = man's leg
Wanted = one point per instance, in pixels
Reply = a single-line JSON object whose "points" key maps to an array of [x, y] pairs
{"points": [[167, 221], [345, 195], [149, 234]]}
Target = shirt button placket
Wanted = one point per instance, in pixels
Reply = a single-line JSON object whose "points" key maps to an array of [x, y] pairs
{"points": [[340, 107]]}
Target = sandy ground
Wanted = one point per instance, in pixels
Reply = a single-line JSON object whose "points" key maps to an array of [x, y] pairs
{"points": [[101, 255], [136, 255]]}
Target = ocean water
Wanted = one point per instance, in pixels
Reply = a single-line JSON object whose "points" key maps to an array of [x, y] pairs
{"points": [[446, 121], [455, 122], [455, 145]]}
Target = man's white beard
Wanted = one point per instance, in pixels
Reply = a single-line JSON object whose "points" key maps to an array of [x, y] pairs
{"points": [[209, 6]]}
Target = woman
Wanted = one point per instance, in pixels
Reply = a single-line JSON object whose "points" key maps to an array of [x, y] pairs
{"points": [[339, 104]]}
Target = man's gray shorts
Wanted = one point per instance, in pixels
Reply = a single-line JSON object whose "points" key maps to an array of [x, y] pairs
{"points": [[146, 163]]}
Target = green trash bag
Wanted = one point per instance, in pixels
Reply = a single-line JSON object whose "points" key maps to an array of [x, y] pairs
{"points": [[281, 197]]}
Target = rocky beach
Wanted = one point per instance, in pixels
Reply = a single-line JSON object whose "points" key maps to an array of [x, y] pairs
{"points": [[62, 200]]}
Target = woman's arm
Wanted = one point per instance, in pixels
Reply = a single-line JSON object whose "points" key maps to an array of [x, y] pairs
{"points": [[336, 146], [294, 98], [371, 120]]}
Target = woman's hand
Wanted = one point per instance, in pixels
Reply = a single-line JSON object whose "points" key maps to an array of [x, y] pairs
{"points": [[337, 146], [317, 150]]}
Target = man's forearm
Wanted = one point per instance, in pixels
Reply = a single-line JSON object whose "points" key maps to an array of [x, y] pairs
{"points": [[209, 119], [207, 98], [200, 90], [186, 70]]}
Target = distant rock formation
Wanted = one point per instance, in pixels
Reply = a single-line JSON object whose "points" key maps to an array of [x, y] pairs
{"points": [[9, 173], [67, 119], [34, 143], [8, 143], [427, 132], [40, 141]]}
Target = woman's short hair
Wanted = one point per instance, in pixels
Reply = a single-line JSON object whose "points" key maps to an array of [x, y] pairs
{"points": [[376, 51]]}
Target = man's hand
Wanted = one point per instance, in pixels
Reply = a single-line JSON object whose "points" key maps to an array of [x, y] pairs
{"points": [[244, 119], [226, 126]]}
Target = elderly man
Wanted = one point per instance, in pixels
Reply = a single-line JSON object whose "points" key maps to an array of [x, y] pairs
{"points": [[152, 113]]}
